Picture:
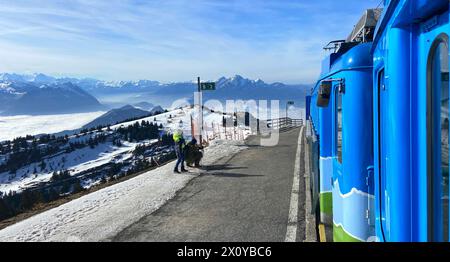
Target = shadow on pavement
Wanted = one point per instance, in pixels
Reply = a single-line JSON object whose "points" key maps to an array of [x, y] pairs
{"points": [[222, 167], [232, 175]]}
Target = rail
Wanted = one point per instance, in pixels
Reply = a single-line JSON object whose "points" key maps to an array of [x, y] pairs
{"points": [[284, 123]]}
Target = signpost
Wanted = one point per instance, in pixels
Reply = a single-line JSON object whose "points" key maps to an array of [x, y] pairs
{"points": [[206, 86]]}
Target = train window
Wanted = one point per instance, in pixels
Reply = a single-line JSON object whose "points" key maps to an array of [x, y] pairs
{"points": [[382, 151], [438, 88], [339, 125]]}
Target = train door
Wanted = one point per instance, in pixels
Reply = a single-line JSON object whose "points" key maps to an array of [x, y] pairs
{"points": [[438, 135], [382, 157], [338, 125], [337, 176]]}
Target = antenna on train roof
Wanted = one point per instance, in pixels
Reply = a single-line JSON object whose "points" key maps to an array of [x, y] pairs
{"points": [[334, 45], [364, 29], [362, 32]]}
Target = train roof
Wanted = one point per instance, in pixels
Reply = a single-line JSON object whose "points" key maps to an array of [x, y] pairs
{"points": [[408, 12], [363, 32], [356, 57]]}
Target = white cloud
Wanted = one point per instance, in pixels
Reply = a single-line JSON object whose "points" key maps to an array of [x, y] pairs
{"points": [[167, 40]]}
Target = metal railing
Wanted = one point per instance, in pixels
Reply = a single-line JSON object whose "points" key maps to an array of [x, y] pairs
{"points": [[283, 123]]}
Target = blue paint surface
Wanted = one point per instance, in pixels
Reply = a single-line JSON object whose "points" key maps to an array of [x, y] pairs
{"points": [[401, 50]]}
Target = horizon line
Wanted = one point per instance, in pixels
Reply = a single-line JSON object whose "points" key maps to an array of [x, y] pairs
{"points": [[79, 77]]}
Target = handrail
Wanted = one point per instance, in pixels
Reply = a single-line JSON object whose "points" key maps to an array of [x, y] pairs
{"points": [[283, 123]]}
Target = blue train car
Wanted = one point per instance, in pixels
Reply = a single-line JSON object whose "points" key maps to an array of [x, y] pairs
{"points": [[344, 123], [321, 120], [411, 121], [342, 101], [322, 124], [352, 142]]}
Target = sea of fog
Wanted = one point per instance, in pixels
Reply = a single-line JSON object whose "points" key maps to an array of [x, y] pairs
{"points": [[22, 125]]}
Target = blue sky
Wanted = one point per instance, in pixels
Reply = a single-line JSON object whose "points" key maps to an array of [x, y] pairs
{"points": [[173, 40]]}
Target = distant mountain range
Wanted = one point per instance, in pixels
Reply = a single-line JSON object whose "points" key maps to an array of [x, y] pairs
{"points": [[25, 98], [238, 87], [43, 94]]}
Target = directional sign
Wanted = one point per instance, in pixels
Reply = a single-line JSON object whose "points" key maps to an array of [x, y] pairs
{"points": [[208, 86]]}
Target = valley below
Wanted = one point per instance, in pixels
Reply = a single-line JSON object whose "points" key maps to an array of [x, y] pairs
{"points": [[50, 154]]}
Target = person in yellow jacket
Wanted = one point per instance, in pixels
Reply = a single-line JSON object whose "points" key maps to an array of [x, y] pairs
{"points": [[179, 150]]}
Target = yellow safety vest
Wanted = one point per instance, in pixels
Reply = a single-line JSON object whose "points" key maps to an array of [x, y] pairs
{"points": [[177, 137]]}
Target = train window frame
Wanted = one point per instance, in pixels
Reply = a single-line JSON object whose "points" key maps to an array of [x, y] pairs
{"points": [[339, 119], [432, 119], [381, 87]]}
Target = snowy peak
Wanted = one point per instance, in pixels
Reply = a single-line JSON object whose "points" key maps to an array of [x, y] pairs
{"points": [[95, 86], [259, 82], [235, 87], [53, 98], [7, 77], [144, 105], [36, 77], [238, 81], [41, 78], [6, 88], [156, 110], [117, 115], [126, 107]]}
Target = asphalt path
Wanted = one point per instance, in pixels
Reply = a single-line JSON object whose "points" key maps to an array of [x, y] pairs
{"points": [[244, 197]]}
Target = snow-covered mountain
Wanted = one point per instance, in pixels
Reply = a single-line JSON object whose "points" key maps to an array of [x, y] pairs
{"points": [[144, 105], [119, 93], [238, 81], [240, 87], [31, 99], [156, 110], [16, 88], [36, 78], [96, 86], [117, 115]]}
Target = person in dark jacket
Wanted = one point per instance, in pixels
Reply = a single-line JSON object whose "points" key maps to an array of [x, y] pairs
{"points": [[179, 150], [193, 153]]}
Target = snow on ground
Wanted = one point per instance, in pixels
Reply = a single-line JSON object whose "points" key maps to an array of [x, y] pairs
{"points": [[76, 162], [86, 158], [22, 125], [260, 109], [102, 214], [181, 119], [297, 112]]}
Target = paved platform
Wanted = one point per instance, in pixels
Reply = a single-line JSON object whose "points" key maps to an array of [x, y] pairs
{"points": [[245, 197]]}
